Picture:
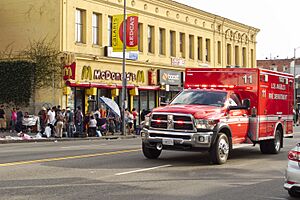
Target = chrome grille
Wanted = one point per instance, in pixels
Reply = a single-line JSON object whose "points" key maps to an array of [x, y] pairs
{"points": [[171, 121]]}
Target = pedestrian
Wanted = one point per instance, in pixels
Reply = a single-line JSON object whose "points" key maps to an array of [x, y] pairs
{"points": [[135, 114], [102, 111], [128, 120], [2, 119], [97, 112], [59, 125], [19, 125], [69, 121], [43, 119], [79, 121], [13, 120], [51, 120], [92, 126], [110, 122]]}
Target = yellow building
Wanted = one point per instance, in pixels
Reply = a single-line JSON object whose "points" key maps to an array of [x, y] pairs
{"points": [[172, 36]]}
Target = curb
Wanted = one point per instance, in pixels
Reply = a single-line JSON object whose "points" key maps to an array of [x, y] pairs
{"points": [[112, 137]]}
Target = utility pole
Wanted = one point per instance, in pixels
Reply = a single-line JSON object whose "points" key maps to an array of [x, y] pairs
{"points": [[124, 80]]}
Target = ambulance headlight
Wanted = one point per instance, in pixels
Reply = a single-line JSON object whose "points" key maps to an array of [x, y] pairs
{"points": [[207, 124], [147, 121]]}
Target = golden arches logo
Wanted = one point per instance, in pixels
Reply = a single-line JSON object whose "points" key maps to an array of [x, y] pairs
{"points": [[140, 77], [86, 73], [68, 72]]}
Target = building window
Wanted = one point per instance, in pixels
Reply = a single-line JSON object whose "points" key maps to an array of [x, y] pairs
{"points": [[237, 55], [219, 52], [162, 41], [252, 58], [79, 26], [200, 47], [244, 57], [182, 44], [140, 37], [109, 31], [151, 39], [191, 47], [172, 43], [207, 50], [96, 28], [228, 53]]}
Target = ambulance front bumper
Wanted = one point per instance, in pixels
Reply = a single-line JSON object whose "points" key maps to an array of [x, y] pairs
{"points": [[177, 140]]}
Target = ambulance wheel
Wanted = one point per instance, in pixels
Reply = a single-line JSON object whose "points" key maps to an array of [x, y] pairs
{"points": [[271, 146], [220, 149], [150, 153]]}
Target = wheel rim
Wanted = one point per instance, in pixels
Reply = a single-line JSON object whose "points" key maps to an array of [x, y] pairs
{"points": [[277, 142], [223, 149]]}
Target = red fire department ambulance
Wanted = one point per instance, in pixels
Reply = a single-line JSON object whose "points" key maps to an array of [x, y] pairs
{"points": [[220, 109]]}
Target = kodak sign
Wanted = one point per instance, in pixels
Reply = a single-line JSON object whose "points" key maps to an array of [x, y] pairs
{"points": [[131, 33]]}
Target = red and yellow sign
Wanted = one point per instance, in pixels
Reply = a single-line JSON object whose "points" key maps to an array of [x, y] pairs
{"points": [[131, 33], [69, 71]]}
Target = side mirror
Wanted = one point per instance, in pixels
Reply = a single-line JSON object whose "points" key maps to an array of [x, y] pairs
{"points": [[246, 103]]}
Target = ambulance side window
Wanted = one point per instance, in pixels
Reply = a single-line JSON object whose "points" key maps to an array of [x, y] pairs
{"points": [[234, 100]]}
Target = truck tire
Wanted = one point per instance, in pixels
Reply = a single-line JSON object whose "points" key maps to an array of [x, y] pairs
{"points": [[220, 149], [293, 193], [150, 153], [271, 146]]}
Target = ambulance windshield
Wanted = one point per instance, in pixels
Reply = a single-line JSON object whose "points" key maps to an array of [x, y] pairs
{"points": [[212, 98]]}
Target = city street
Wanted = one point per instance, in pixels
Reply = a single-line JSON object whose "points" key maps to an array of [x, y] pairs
{"points": [[116, 169]]}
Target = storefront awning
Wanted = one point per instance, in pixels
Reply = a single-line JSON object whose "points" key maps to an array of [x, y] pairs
{"points": [[149, 87]]}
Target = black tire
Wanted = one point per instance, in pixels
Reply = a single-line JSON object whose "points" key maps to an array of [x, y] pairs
{"points": [[220, 149], [293, 193], [272, 146], [150, 153]]}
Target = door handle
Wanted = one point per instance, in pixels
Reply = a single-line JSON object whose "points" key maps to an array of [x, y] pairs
{"points": [[244, 115]]}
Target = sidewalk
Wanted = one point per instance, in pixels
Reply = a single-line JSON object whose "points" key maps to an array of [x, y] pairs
{"points": [[7, 137]]}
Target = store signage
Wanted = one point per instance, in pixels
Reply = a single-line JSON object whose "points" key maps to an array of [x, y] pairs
{"points": [[168, 77], [131, 55], [177, 62], [140, 77], [152, 77], [86, 73], [69, 71], [131, 32], [108, 75]]}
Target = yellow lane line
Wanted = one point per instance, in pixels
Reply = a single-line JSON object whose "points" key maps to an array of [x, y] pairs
{"points": [[67, 158]]}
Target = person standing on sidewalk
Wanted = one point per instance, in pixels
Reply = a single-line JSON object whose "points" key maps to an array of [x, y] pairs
{"points": [[19, 120], [2, 119], [59, 124], [13, 120], [51, 119], [69, 119], [79, 121], [135, 114]]}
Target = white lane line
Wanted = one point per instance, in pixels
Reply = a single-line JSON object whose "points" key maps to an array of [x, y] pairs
{"points": [[142, 170]]}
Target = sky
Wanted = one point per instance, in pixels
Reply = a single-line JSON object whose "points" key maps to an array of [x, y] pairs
{"points": [[278, 21]]}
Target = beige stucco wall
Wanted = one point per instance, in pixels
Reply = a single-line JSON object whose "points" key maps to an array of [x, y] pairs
{"points": [[22, 21]]}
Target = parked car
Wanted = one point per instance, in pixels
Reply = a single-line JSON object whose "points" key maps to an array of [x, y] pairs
{"points": [[292, 173]]}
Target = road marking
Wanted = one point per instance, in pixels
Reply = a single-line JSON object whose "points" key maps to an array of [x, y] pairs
{"points": [[67, 158], [142, 170]]}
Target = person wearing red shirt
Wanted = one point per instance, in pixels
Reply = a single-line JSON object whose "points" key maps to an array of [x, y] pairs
{"points": [[135, 114]]}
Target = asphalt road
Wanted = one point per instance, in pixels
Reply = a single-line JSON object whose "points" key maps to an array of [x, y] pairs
{"points": [[116, 169]]}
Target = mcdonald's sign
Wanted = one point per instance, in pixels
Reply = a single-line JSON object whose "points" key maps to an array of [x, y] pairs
{"points": [[140, 76], [86, 73], [69, 71]]}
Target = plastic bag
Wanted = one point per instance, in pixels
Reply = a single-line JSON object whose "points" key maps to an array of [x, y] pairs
{"points": [[47, 131], [98, 133]]}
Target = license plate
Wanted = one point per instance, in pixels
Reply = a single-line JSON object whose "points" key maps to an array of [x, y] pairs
{"points": [[167, 141]]}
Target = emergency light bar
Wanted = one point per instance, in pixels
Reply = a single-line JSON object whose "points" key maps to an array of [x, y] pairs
{"points": [[205, 86]]}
